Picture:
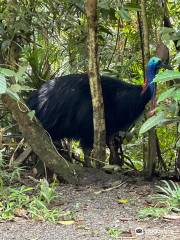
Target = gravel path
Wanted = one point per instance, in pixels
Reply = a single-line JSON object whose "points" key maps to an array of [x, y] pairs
{"points": [[96, 215]]}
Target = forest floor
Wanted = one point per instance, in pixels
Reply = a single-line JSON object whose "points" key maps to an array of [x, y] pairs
{"points": [[98, 213]]}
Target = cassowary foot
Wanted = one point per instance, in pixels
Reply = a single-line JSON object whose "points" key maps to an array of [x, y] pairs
{"points": [[115, 157], [115, 160], [87, 158]]}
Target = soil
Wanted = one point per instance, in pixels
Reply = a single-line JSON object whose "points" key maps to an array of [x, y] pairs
{"points": [[98, 213]]}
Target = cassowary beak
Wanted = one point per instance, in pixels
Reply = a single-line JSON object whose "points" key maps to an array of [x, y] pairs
{"points": [[165, 66]]}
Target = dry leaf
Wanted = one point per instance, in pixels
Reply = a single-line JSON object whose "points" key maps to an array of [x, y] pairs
{"points": [[172, 217], [20, 212], [122, 201], [70, 222]]}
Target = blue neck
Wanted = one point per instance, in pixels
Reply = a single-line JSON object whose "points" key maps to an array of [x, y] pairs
{"points": [[150, 75]]}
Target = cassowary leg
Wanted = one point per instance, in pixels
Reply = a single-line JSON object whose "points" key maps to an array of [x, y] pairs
{"points": [[63, 147], [68, 149], [87, 157], [114, 145]]}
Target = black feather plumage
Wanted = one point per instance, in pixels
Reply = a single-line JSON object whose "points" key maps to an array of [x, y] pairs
{"points": [[64, 106]]}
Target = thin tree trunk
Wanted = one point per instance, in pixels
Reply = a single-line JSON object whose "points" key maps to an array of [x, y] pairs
{"points": [[167, 23], [145, 32], [142, 42], [150, 154], [178, 164], [95, 84]]}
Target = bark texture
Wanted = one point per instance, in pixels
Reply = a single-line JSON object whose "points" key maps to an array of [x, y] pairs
{"points": [[150, 152], [145, 32], [40, 142], [95, 84], [167, 23]]}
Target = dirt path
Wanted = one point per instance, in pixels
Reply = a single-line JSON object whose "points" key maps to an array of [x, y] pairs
{"points": [[97, 216]]}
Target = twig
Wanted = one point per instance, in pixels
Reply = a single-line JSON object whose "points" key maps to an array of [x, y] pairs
{"points": [[18, 146], [125, 219], [117, 39], [33, 179], [161, 160], [23, 156], [45, 171], [109, 189]]}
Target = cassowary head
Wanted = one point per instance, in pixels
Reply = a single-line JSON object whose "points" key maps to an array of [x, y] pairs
{"points": [[153, 66]]}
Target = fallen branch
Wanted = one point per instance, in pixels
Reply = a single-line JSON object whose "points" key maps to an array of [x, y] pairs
{"points": [[110, 189], [20, 159]]}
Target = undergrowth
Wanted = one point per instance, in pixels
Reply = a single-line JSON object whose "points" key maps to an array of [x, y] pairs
{"points": [[17, 200], [29, 202], [167, 200]]}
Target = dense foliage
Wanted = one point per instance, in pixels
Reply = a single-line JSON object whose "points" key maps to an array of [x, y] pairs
{"points": [[40, 39]]}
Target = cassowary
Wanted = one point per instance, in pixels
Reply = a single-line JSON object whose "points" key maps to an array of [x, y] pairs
{"points": [[64, 107]]}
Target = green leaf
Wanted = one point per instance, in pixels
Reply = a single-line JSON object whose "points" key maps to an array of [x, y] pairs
{"points": [[15, 88], [167, 94], [177, 58], [166, 37], [177, 95], [31, 114], [167, 76], [132, 6], [7, 72], [123, 14], [20, 73], [18, 88], [178, 143], [3, 85], [152, 122], [167, 30], [13, 94], [103, 4], [178, 128], [175, 37], [178, 43]]}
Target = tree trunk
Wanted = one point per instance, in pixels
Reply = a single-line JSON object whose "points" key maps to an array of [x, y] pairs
{"points": [[145, 32], [167, 23], [141, 41], [178, 164], [95, 84], [150, 151], [39, 140], [43, 147]]}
